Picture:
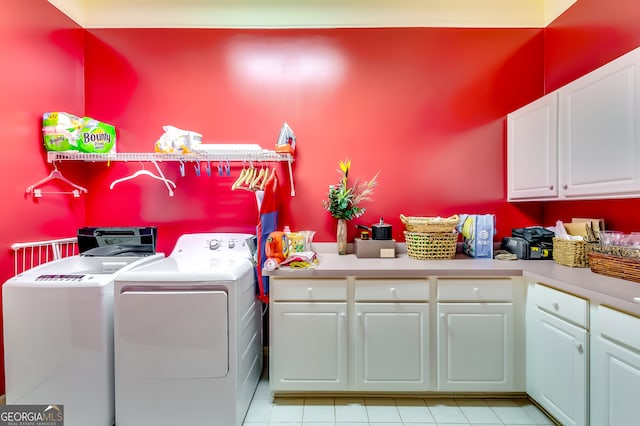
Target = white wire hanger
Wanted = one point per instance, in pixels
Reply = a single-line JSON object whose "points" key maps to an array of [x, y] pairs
{"points": [[144, 172], [55, 175]]}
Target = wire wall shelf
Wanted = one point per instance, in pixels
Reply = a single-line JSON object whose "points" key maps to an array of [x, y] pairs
{"points": [[209, 155], [250, 153]]}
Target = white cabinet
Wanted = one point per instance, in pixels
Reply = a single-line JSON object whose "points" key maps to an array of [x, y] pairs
{"points": [[532, 150], [308, 335], [615, 368], [594, 122], [476, 338], [557, 353], [599, 131], [349, 334], [392, 334], [364, 334]]}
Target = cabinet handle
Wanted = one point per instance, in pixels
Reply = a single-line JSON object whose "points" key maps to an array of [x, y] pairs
{"points": [[551, 187], [636, 299], [565, 186], [393, 290], [556, 306], [579, 347], [443, 315], [309, 290], [476, 290]]}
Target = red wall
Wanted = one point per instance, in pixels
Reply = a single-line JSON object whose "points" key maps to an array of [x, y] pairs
{"points": [[42, 70], [590, 34], [425, 107]]}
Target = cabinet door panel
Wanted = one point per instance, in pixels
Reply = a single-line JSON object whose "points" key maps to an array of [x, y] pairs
{"points": [[599, 131], [616, 391], [560, 367], [308, 346], [392, 346], [475, 347], [615, 369], [532, 150]]}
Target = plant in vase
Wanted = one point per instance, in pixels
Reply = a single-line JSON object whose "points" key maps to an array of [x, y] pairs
{"points": [[344, 201]]}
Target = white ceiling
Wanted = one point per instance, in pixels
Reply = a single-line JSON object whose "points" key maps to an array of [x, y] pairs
{"points": [[312, 13]]}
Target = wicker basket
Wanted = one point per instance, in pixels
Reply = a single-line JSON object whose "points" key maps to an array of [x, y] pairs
{"points": [[615, 261], [434, 245], [430, 224], [570, 253], [627, 268]]}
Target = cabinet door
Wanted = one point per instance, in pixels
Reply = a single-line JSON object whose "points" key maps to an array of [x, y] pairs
{"points": [[599, 131], [616, 384], [392, 346], [308, 346], [615, 369], [532, 137], [557, 364], [475, 347]]}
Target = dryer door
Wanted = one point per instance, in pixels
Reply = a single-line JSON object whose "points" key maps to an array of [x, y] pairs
{"points": [[172, 334]]}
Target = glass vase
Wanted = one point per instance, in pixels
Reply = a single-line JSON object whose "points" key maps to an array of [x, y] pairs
{"points": [[341, 236]]}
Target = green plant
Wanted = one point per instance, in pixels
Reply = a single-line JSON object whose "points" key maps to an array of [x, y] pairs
{"points": [[344, 200]]}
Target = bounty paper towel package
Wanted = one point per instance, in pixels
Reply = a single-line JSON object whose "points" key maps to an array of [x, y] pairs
{"points": [[66, 132]]}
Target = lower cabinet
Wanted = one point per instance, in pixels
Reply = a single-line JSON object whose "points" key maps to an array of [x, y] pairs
{"points": [[385, 335], [615, 368], [557, 354], [391, 350], [476, 338], [308, 335]]}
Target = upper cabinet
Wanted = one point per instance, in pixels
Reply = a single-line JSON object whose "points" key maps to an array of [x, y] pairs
{"points": [[532, 146], [594, 125]]}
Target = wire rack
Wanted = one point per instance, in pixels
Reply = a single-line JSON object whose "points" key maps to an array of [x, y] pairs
{"points": [[31, 254], [212, 155], [221, 154]]}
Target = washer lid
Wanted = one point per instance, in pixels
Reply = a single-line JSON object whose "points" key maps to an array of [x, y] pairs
{"points": [[117, 241]]}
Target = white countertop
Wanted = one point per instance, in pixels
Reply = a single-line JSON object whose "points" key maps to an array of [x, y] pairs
{"points": [[616, 293]]}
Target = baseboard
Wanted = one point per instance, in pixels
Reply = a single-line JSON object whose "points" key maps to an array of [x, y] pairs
{"points": [[3, 399]]}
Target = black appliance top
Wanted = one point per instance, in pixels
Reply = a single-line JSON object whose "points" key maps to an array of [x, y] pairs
{"points": [[117, 241]]}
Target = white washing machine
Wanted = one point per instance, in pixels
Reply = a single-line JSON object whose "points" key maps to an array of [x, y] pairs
{"points": [[188, 335], [58, 325]]}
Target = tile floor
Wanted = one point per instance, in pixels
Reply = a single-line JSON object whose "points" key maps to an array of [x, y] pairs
{"points": [[345, 411]]}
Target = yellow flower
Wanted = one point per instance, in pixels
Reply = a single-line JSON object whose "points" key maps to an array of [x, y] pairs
{"points": [[344, 167]]}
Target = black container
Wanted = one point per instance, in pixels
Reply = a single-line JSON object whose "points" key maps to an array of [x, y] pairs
{"points": [[379, 231]]}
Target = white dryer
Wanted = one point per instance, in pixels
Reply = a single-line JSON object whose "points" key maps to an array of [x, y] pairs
{"points": [[58, 325], [188, 335]]}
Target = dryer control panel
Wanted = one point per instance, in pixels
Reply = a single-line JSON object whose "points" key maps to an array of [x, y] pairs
{"points": [[214, 245]]}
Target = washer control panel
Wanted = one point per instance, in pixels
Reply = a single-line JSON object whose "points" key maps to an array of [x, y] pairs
{"points": [[60, 277]]}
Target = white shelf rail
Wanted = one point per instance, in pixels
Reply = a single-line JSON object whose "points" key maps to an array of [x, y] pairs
{"points": [[30, 254], [211, 155], [240, 155]]}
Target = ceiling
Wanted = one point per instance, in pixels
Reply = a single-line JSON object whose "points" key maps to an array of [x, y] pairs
{"points": [[312, 13]]}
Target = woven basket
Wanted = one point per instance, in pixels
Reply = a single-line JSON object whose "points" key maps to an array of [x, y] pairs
{"points": [[430, 224], [437, 245], [621, 251], [570, 253], [627, 268]]}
